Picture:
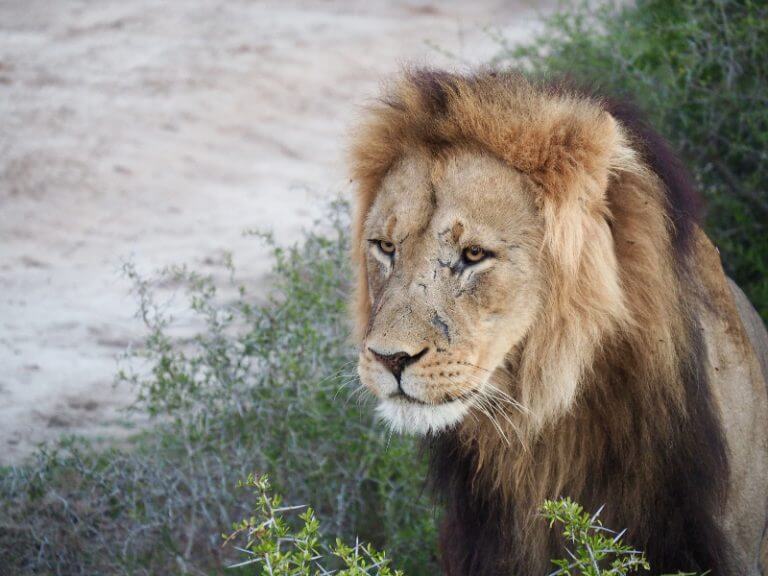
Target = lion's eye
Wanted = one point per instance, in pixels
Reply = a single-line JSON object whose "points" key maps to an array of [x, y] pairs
{"points": [[474, 254], [387, 247]]}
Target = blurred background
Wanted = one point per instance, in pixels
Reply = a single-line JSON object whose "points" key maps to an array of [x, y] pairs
{"points": [[173, 213]]}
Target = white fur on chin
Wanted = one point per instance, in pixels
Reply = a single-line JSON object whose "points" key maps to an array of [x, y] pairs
{"points": [[409, 418]]}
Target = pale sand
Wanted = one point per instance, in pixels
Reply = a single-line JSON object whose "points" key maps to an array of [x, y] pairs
{"points": [[157, 132]]}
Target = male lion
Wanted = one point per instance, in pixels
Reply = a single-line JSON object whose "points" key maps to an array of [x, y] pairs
{"points": [[536, 298]]}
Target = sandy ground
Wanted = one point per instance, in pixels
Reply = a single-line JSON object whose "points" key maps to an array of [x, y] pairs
{"points": [[157, 132]]}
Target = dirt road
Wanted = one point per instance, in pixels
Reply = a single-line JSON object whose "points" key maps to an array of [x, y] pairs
{"points": [[157, 132]]}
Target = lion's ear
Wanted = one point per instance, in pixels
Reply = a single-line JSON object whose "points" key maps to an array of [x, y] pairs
{"points": [[573, 187]]}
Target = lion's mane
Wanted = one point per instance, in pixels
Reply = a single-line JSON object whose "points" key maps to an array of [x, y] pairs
{"points": [[620, 409]]}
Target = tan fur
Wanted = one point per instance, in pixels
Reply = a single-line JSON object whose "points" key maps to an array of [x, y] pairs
{"points": [[592, 282]]}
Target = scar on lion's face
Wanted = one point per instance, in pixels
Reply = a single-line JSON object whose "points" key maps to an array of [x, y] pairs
{"points": [[446, 236]]}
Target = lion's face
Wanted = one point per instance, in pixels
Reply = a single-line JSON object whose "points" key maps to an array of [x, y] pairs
{"points": [[452, 262]]}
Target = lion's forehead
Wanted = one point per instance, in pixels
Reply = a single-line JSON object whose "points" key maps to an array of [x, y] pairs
{"points": [[429, 195], [405, 202]]}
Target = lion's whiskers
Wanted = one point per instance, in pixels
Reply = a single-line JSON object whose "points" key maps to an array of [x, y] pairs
{"points": [[489, 406], [491, 401]]}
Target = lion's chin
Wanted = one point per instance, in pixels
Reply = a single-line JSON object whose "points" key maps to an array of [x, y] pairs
{"points": [[420, 419]]}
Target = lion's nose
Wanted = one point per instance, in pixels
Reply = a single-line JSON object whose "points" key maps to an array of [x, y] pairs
{"points": [[397, 362]]}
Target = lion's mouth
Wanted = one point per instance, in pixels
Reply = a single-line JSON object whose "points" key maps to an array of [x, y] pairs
{"points": [[403, 396], [400, 395]]}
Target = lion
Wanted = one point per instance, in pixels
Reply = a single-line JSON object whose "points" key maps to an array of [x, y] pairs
{"points": [[535, 298]]}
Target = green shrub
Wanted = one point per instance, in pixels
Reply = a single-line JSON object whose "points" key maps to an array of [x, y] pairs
{"points": [[592, 548], [272, 546], [257, 387], [699, 71]]}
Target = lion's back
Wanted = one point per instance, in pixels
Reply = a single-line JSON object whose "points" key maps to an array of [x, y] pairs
{"points": [[737, 349]]}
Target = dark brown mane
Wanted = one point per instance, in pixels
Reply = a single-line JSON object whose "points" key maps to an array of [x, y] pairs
{"points": [[613, 372]]}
